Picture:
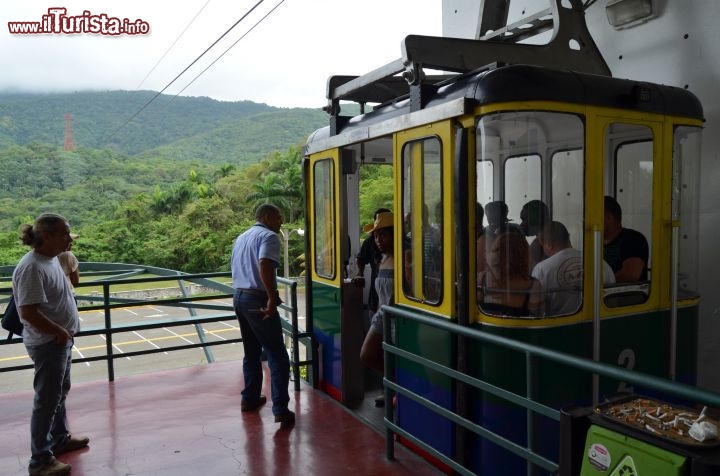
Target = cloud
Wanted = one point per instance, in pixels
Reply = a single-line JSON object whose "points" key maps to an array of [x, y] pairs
{"points": [[284, 61]]}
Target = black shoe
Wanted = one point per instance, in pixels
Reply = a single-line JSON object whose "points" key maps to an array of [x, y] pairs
{"points": [[53, 467], [250, 407], [72, 443], [285, 418]]}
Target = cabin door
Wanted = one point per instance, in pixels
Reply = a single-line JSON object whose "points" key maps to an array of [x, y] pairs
{"points": [[334, 302]]}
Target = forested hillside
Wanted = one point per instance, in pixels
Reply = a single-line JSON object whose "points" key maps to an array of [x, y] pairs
{"points": [[171, 188], [155, 213], [101, 120]]}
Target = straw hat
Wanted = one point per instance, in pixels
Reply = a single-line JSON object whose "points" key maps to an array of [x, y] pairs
{"points": [[383, 220]]}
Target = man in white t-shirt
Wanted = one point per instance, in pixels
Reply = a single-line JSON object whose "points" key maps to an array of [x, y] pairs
{"points": [[561, 274], [50, 318]]}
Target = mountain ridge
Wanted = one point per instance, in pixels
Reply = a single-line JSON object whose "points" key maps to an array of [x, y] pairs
{"points": [[132, 123]]}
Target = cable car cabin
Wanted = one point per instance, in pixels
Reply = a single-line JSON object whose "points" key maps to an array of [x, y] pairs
{"points": [[466, 153]]}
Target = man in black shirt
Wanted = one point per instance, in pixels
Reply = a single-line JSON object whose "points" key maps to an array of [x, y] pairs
{"points": [[626, 250]]}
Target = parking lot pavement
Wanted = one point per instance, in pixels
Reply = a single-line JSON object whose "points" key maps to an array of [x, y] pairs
{"points": [[125, 342]]}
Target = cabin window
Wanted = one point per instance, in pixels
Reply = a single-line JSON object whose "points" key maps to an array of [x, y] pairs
{"points": [[422, 233], [324, 218], [485, 189], [568, 189], [685, 207], [530, 170], [628, 250], [522, 183]]}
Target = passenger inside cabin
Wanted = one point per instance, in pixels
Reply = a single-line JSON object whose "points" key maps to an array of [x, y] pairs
{"points": [[625, 250], [561, 273], [371, 353], [498, 223], [431, 257], [370, 255], [479, 217], [479, 233], [432, 249], [506, 287], [533, 216]]}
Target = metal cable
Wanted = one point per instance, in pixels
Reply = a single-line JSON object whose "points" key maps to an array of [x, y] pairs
{"points": [[172, 45], [229, 48], [186, 68]]}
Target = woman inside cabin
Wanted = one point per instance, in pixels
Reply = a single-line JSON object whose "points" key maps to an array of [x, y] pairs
{"points": [[506, 287], [382, 229]]}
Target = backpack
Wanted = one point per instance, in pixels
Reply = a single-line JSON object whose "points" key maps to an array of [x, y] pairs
{"points": [[11, 319]]}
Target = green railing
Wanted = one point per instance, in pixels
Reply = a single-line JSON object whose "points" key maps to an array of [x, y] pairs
{"points": [[533, 355], [104, 278]]}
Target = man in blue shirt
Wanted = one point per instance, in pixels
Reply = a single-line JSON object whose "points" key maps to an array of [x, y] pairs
{"points": [[255, 257]]}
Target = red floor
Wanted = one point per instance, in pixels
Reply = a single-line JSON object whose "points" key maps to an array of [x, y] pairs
{"points": [[188, 422]]}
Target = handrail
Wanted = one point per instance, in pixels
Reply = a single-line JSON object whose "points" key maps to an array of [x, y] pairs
{"points": [[108, 303], [533, 354]]}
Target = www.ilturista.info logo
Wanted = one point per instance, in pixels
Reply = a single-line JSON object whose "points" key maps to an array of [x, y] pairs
{"points": [[57, 22]]}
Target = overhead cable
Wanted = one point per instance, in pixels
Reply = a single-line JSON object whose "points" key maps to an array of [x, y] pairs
{"points": [[229, 48], [172, 46], [188, 67]]}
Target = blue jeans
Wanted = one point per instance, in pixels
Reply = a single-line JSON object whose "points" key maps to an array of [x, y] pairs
{"points": [[48, 423], [262, 333]]}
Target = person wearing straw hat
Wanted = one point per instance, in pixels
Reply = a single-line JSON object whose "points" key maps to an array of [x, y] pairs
{"points": [[369, 255], [382, 230], [69, 263]]}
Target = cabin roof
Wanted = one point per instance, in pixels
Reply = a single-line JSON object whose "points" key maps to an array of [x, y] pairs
{"points": [[448, 97]]}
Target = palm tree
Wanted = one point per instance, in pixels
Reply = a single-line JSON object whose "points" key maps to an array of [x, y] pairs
{"points": [[224, 171], [270, 190]]}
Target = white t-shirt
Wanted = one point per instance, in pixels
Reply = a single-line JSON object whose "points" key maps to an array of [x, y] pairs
{"points": [[560, 275], [38, 279]]}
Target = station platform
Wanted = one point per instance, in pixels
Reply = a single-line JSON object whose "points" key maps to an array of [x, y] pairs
{"points": [[188, 422]]}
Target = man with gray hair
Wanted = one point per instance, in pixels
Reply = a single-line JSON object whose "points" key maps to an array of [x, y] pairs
{"points": [[50, 318]]}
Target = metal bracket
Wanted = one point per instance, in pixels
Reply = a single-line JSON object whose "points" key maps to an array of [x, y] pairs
{"points": [[571, 48]]}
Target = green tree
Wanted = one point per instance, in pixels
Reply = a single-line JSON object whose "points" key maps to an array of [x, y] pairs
{"points": [[376, 191]]}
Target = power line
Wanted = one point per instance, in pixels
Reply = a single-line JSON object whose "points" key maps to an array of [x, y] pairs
{"points": [[186, 68], [229, 48], [173, 45]]}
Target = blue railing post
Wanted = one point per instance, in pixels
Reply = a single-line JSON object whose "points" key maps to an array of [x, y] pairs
{"points": [[389, 364], [530, 414], [294, 335], [108, 332], [198, 327]]}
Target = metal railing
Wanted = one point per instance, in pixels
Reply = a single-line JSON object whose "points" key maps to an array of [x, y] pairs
{"points": [[105, 300], [533, 355]]}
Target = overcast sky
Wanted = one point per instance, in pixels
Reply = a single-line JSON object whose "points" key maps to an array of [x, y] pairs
{"points": [[284, 61]]}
